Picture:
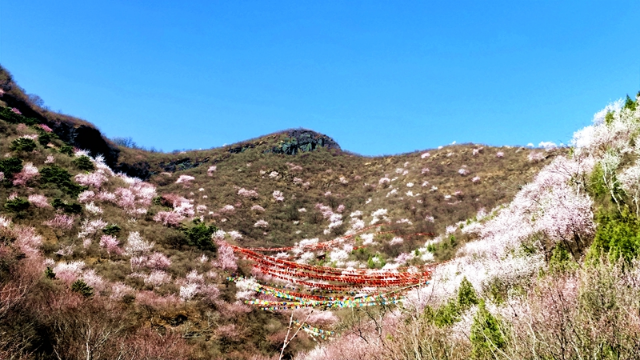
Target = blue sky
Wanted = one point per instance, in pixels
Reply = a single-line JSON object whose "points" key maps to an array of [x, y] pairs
{"points": [[379, 77]]}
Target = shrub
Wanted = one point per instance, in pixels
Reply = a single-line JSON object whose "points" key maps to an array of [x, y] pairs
{"points": [[487, 335], [630, 104], [61, 178], [10, 166], [23, 144], [112, 229], [84, 163], [617, 235], [73, 208], [66, 149], [466, 295], [561, 260], [82, 288], [199, 235], [49, 273], [451, 312], [44, 138], [17, 205]]}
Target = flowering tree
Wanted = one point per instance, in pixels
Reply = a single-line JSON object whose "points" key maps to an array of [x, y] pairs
{"points": [[226, 258], [39, 201], [110, 243], [95, 179], [630, 181], [278, 196], [61, 221], [261, 224], [252, 194], [185, 179], [27, 173], [137, 245]]}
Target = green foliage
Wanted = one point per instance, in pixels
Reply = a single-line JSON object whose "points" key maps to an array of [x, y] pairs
{"points": [[452, 241], [370, 263], [466, 295], [82, 288], [44, 138], [630, 104], [17, 205], [10, 166], [23, 144], [597, 186], [49, 274], [157, 201], [67, 150], [445, 315], [451, 312], [61, 178], [10, 116], [373, 264], [487, 334], [73, 208], [617, 235], [608, 119], [84, 163], [199, 235], [561, 260], [111, 229]]}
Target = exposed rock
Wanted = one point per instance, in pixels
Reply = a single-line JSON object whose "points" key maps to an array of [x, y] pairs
{"points": [[241, 148], [139, 169], [182, 164], [301, 140]]}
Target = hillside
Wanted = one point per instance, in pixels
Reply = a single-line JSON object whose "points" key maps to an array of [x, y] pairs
{"points": [[118, 251]]}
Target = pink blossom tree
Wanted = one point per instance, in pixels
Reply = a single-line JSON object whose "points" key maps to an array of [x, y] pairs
{"points": [[168, 218], [261, 224], [95, 179], [39, 201], [226, 258], [278, 196], [27, 173], [252, 194], [60, 221], [110, 244]]}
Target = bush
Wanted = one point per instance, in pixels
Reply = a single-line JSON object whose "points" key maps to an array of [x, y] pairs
{"points": [[66, 149], [466, 295], [44, 138], [23, 144], [84, 163], [73, 208], [451, 312], [487, 335], [617, 235], [49, 274], [17, 205], [10, 116], [630, 104], [111, 229], [200, 234], [60, 177], [561, 260], [10, 166], [82, 288]]}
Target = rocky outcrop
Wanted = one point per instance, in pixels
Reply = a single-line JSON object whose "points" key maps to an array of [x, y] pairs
{"points": [[182, 164], [301, 140], [74, 132], [140, 169]]}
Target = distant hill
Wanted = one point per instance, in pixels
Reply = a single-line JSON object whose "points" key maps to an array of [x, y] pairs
{"points": [[126, 233]]}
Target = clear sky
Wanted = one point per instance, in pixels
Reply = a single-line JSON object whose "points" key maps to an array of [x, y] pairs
{"points": [[379, 77]]}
